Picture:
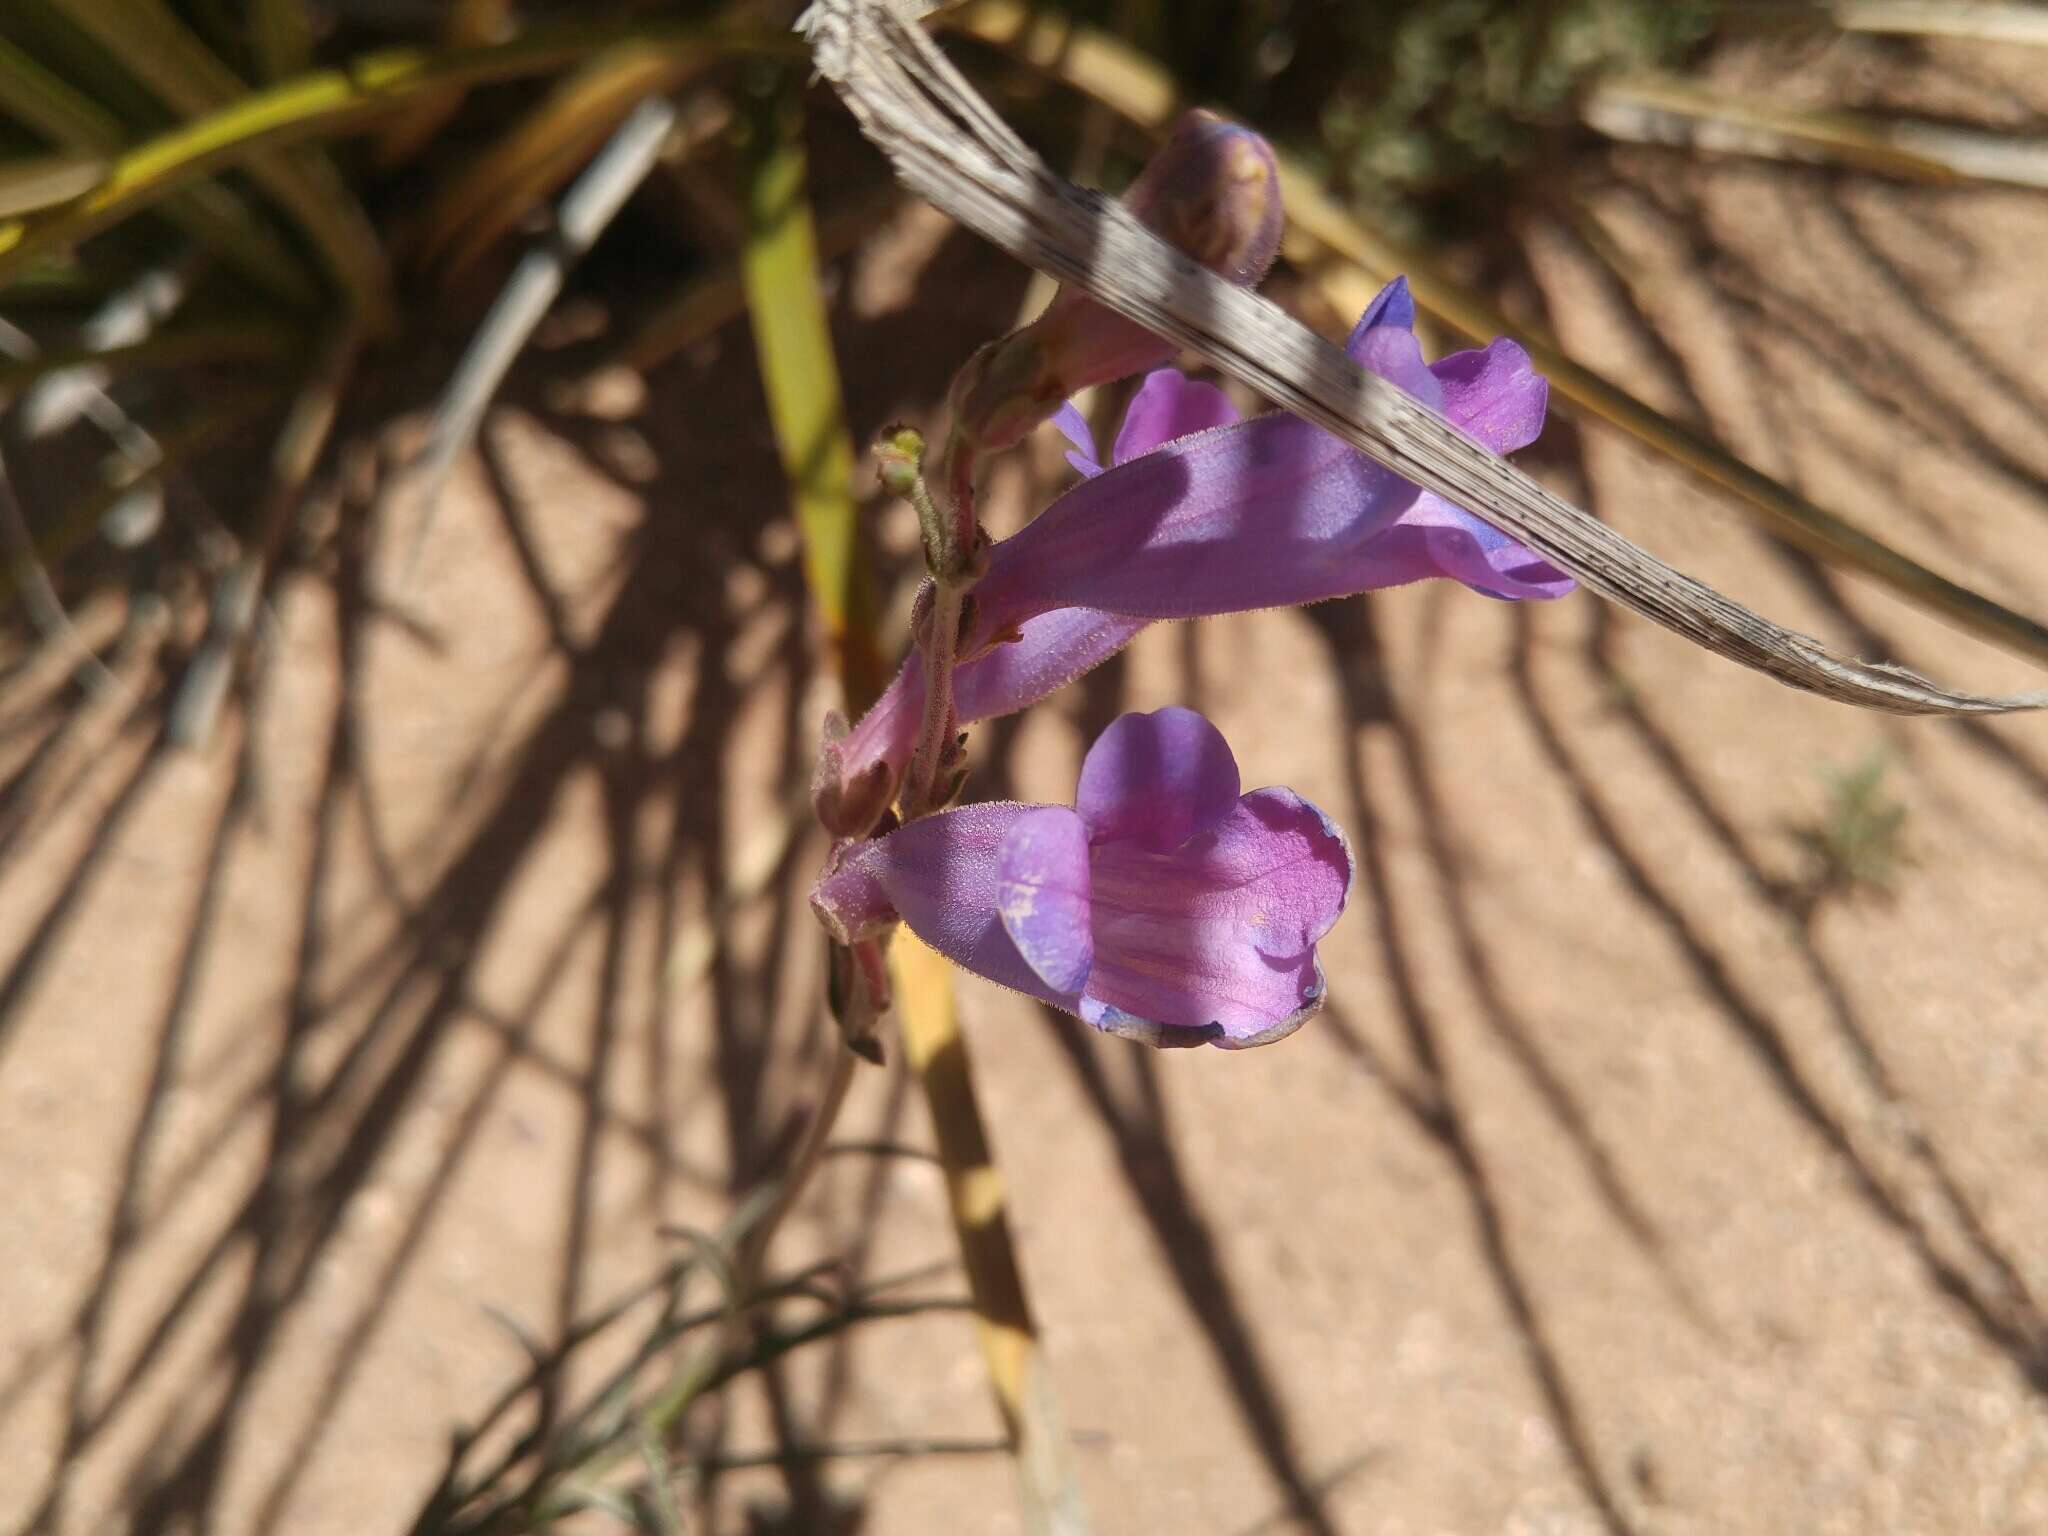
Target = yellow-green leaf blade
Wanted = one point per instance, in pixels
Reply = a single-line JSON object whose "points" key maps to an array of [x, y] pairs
{"points": [[332, 101], [156, 48], [209, 213], [779, 268]]}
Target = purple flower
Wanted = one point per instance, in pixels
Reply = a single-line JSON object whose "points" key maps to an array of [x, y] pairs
{"points": [[1200, 513], [1164, 906], [1204, 514]]}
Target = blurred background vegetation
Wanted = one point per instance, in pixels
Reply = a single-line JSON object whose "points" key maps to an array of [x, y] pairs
{"points": [[1408, 109], [215, 212], [239, 236]]}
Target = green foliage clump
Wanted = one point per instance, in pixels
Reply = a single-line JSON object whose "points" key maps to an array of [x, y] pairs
{"points": [[1858, 845], [1405, 104], [1438, 92]]}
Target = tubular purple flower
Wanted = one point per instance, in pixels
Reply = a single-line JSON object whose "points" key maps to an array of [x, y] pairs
{"points": [[1200, 513], [1164, 906], [1273, 511]]}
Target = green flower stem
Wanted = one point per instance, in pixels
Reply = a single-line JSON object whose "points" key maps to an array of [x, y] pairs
{"points": [[1051, 1497]]}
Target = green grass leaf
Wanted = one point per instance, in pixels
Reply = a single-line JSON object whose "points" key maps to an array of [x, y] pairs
{"points": [[793, 340], [157, 49], [212, 215], [333, 101]]}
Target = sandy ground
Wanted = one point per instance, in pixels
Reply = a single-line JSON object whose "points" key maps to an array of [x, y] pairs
{"points": [[1617, 1191]]}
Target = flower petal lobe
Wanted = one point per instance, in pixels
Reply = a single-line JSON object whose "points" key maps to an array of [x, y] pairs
{"points": [[1075, 429], [1494, 395], [1156, 780], [942, 874], [1042, 895], [1168, 405], [1223, 930]]}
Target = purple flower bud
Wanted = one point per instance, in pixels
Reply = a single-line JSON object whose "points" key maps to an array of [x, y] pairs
{"points": [[1164, 906], [1213, 191], [849, 799], [1200, 513]]}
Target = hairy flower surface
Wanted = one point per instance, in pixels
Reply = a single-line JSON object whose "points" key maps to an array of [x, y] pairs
{"points": [[1199, 513], [1163, 906]]}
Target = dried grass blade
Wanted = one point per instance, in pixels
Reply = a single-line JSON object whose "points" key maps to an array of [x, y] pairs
{"points": [[1663, 109], [68, 532], [39, 596], [535, 158], [282, 35], [590, 205], [180, 347], [930, 122], [470, 24], [1790, 516], [1989, 21], [196, 708], [1051, 1491], [41, 181]]}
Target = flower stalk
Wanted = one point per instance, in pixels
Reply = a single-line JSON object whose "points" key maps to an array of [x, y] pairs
{"points": [[934, 761], [955, 555]]}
